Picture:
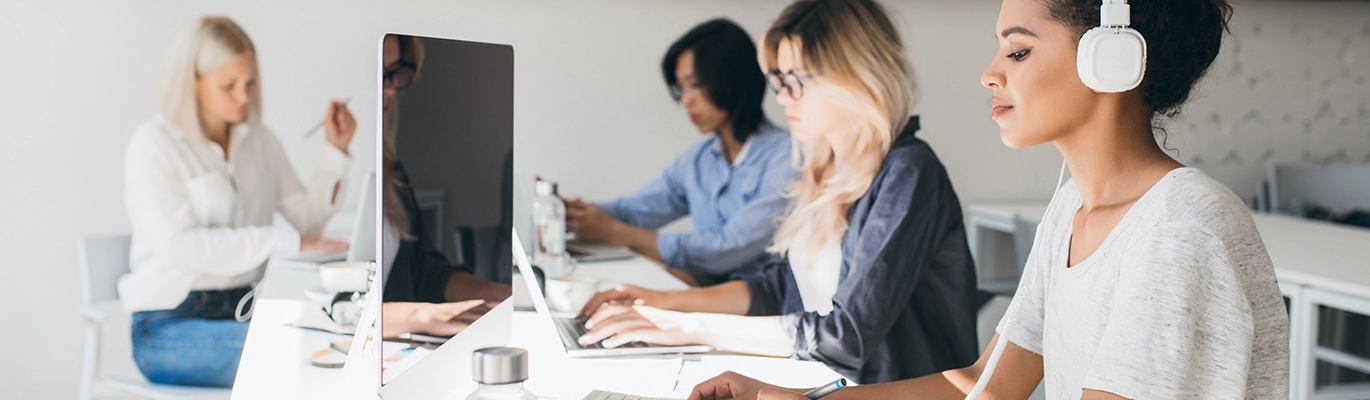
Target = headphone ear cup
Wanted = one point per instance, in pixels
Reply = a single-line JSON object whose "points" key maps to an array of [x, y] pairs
{"points": [[1111, 60]]}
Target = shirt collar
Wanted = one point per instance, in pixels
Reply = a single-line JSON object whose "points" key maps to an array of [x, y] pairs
{"points": [[911, 127], [238, 132], [741, 154], [746, 145]]}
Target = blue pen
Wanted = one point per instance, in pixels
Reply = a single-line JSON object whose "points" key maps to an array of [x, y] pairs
{"points": [[821, 391], [677, 375]]}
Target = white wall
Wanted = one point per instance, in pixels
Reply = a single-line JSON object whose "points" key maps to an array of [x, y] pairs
{"points": [[1289, 87], [591, 109]]}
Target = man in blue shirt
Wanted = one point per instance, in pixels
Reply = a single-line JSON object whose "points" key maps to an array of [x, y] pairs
{"points": [[730, 184]]}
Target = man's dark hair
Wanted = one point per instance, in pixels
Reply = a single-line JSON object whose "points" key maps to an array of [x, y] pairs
{"points": [[726, 68]]}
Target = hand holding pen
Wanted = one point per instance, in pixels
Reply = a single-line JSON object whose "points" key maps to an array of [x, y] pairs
{"points": [[338, 123], [825, 390], [772, 393], [731, 385]]}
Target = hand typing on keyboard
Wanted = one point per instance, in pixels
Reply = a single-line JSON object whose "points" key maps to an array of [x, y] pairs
{"points": [[615, 325], [576, 328]]}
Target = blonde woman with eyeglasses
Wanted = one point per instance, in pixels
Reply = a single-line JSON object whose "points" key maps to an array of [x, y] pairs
{"points": [[202, 182], [870, 273]]}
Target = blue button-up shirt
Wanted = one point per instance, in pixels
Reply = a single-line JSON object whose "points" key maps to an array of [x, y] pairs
{"points": [[734, 207]]}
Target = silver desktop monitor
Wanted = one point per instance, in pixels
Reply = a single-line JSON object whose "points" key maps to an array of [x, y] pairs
{"points": [[447, 117]]}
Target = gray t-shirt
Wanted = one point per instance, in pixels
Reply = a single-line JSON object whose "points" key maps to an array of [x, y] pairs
{"points": [[1180, 300]]}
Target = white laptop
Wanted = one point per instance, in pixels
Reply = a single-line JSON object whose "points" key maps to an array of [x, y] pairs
{"points": [[362, 247], [570, 329]]}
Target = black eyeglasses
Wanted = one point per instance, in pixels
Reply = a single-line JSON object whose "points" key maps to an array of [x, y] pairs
{"points": [[402, 75], [679, 91], [792, 84]]}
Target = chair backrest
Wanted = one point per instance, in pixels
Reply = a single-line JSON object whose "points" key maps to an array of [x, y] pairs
{"points": [[1024, 231], [103, 260], [479, 247], [1339, 187]]}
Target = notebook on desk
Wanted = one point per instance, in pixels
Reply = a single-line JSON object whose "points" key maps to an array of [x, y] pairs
{"points": [[586, 251]]}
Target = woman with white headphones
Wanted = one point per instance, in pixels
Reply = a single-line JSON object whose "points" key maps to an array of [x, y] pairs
{"points": [[1147, 279]]}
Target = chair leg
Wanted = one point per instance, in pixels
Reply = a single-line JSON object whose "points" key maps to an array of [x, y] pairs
{"points": [[91, 360]]}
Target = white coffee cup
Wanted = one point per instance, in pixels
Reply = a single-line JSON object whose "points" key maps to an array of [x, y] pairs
{"points": [[569, 293], [344, 276]]}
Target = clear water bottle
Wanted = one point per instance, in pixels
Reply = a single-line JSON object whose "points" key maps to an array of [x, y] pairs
{"points": [[549, 230], [500, 372]]}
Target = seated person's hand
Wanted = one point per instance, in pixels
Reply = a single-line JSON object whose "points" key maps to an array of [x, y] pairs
{"points": [[775, 393], [434, 319], [623, 294], [732, 385], [320, 244], [339, 125], [620, 324], [589, 222]]}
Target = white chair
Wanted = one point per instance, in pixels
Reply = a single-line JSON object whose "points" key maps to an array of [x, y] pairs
{"points": [[1024, 232], [103, 260]]}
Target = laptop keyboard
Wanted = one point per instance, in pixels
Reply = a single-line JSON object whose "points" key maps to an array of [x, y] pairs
{"points": [[603, 395], [572, 329]]}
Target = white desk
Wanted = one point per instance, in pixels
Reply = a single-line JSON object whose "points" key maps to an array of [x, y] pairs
{"points": [[275, 361], [1316, 263], [276, 357], [553, 373]]}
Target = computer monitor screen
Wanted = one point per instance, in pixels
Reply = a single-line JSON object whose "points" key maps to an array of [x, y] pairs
{"points": [[446, 202]]}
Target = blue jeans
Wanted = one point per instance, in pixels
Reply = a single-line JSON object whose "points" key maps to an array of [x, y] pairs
{"points": [[198, 343]]}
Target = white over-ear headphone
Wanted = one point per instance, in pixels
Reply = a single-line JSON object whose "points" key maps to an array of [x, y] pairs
{"points": [[1112, 57]]}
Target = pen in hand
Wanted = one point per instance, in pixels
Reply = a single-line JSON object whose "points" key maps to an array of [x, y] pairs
{"points": [[821, 391], [320, 124]]}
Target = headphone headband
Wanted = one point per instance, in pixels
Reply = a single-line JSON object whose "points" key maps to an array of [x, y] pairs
{"points": [[1115, 13]]}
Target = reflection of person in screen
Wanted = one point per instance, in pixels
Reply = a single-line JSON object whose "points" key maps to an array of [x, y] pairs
{"points": [[730, 184], [202, 182], [424, 293]]}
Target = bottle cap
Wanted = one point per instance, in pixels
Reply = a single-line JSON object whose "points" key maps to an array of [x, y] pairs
{"points": [[499, 365], [545, 188]]}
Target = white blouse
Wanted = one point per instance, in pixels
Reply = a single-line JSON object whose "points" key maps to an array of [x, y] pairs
{"points": [[203, 222], [817, 277]]}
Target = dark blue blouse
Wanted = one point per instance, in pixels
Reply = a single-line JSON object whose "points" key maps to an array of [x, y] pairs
{"points": [[905, 303]]}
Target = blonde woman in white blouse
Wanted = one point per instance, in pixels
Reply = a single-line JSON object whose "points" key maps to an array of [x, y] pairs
{"points": [[203, 181]]}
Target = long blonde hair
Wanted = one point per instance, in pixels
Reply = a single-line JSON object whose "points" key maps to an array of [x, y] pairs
{"points": [[204, 48], [858, 61]]}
